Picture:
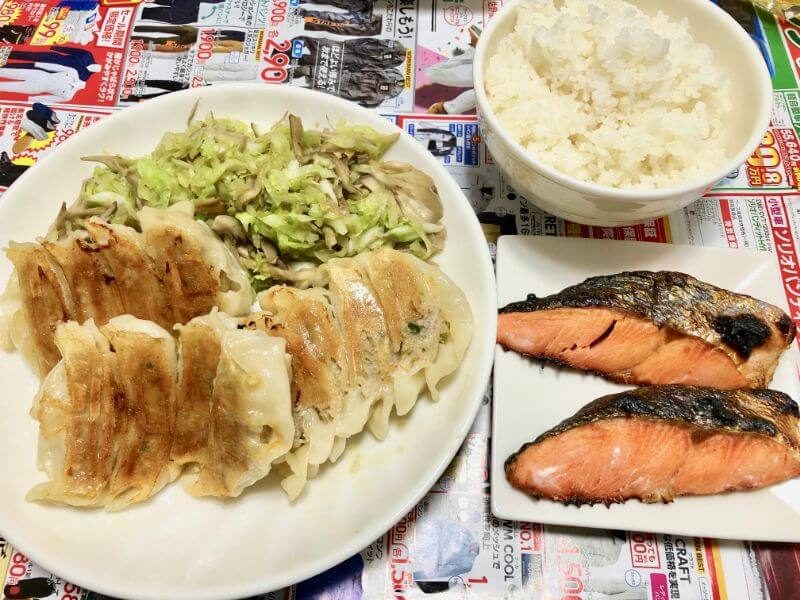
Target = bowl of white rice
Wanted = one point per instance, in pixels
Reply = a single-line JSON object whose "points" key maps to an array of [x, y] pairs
{"points": [[607, 112]]}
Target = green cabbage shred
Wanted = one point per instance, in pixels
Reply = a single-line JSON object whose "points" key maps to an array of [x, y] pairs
{"points": [[305, 196]]}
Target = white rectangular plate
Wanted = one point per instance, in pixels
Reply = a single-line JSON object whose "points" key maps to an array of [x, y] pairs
{"points": [[530, 398]]}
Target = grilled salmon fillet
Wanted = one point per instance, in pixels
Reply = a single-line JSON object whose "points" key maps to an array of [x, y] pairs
{"points": [[647, 327], [657, 443]]}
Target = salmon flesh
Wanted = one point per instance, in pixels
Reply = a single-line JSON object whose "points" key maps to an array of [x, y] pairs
{"points": [[657, 443], [652, 328]]}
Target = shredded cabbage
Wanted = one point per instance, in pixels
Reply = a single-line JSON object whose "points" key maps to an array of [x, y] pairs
{"points": [[299, 196]]}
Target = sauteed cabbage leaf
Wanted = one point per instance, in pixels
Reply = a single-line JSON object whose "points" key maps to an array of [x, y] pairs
{"points": [[286, 199]]}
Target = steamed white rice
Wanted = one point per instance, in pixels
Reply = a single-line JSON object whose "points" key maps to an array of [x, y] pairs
{"points": [[603, 92]]}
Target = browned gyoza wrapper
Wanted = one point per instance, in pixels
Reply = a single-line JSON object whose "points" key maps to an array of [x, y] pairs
{"points": [[657, 443], [172, 271], [647, 327]]}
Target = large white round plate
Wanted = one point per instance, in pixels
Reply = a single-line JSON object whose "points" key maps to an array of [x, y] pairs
{"points": [[181, 547]]}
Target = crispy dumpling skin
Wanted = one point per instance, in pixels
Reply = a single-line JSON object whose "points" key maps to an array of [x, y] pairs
{"points": [[106, 414], [199, 348], [387, 326], [251, 423], [89, 277], [366, 363], [198, 270], [146, 369], [321, 381], [366, 340], [36, 300], [305, 319], [429, 322], [137, 282], [76, 411], [175, 270]]}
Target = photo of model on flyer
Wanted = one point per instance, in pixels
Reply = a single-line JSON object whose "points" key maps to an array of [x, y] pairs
{"points": [[368, 71], [36, 124]]}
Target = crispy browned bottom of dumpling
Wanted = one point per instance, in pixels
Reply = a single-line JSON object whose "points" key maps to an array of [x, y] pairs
{"points": [[199, 344], [146, 371], [233, 404], [307, 323], [78, 418], [175, 270], [90, 279], [134, 272], [387, 326], [117, 423], [45, 300]]}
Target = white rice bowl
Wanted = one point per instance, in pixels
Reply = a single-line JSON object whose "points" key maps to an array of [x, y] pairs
{"points": [[605, 93]]}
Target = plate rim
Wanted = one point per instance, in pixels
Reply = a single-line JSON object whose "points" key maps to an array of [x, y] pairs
{"points": [[485, 344]]}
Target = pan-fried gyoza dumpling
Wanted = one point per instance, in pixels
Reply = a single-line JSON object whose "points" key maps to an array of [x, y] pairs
{"points": [[386, 326], [176, 270], [116, 424], [251, 417], [305, 319], [146, 370], [199, 349], [234, 404], [106, 414], [90, 279], [250, 424], [429, 323], [320, 377], [133, 270], [36, 300], [198, 270], [76, 411]]}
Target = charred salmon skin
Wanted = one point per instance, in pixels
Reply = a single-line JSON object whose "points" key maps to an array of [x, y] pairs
{"points": [[657, 443], [646, 327]]}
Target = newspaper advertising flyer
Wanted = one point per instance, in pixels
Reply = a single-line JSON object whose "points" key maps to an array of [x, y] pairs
{"points": [[163, 59], [23, 580], [359, 50], [767, 223], [775, 164], [29, 132], [205, 13], [456, 142], [445, 49], [62, 51], [443, 546], [784, 39]]}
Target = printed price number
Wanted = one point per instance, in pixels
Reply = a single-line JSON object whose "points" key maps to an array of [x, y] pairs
{"points": [[276, 58], [48, 29], [277, 13], [130, 76], [644, 550], [64, 135], [19, 565], [530, 537], [765, 158], [790, 144], [71, 592], [205, 45], [570, 570]]}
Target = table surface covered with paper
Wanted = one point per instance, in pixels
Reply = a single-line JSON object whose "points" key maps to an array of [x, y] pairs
{"points": [[68, 63]]}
